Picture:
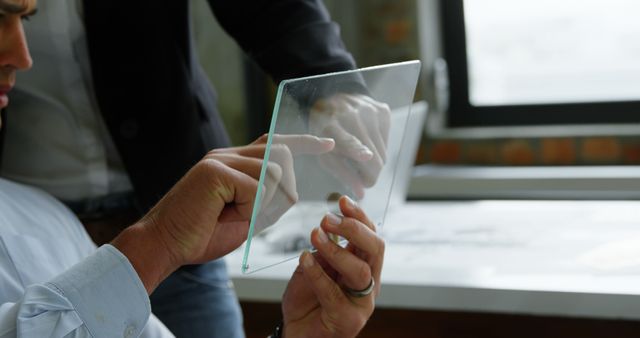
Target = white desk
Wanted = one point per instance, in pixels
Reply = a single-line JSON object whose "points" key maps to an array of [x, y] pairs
{"points": [[556, 258]]}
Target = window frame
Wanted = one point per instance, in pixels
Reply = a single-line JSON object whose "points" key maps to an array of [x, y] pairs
{"points": [[461, 113]]}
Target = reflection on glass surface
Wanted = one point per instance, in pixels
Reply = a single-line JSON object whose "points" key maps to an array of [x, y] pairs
{"points": [[331, 135], [548, 51]]}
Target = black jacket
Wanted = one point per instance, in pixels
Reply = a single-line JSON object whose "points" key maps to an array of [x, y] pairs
{"points": [[154, 96]]}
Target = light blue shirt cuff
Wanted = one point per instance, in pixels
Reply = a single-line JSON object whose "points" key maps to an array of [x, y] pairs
{"points": [[107, 294]]}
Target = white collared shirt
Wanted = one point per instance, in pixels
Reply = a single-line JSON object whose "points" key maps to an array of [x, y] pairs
{"points": [[56, 137], [53, 281]]}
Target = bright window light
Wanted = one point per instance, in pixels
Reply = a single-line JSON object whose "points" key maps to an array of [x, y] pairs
{"points": [[552, 51]]}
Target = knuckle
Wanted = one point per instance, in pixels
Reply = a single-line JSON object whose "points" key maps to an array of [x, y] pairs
{"points": [[208, 164], [274, 170], [334, 250], [365, 219], [334, 294], [361, 216], [368, 176], [209, 168], [381, 244], [263, 138], [282, 154], [252, 187], [351, 228], [360, 321], [278, 149], [352, 110], [292, 197], [357, 319], [364, 273], [315, 273], [286, 151], [369, 108], [384, 113], [368, 181], [214, 153]]}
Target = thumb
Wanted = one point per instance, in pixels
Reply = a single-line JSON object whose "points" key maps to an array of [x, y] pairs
{"points": [[328, 293], [240, 191]]}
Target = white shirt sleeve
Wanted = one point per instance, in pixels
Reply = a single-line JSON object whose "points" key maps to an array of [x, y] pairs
{"points": [[102, 296]]}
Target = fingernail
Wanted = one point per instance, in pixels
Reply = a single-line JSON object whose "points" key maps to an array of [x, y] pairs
{"points": [[328, 142], [333, 219], [352, 204], [365, 153], [322, 237], [307, 260]]}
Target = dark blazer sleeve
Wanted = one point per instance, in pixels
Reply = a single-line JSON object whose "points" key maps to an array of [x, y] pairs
{"points": [[3, 123], [287, 38]]}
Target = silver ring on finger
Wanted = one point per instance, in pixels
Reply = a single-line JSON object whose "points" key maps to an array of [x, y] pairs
{"points": [[361, 293]]}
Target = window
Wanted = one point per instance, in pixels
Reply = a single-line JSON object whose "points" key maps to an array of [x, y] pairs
{"points": [[542, 62]]}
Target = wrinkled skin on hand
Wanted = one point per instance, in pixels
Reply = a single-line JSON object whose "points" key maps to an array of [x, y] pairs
{"points": [[315, 303], [279, 191], [206, 215]]}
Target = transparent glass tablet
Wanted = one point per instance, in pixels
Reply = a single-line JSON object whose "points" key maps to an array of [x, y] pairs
{"points": [[330, 135]]}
